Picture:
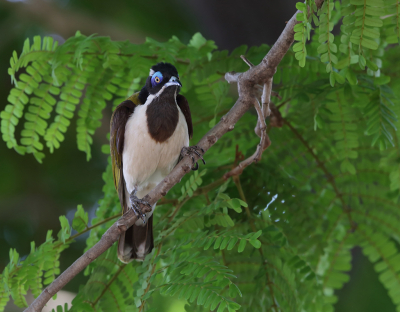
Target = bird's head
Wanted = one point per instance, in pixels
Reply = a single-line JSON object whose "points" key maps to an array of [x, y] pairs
{"points": [[162, 77]]}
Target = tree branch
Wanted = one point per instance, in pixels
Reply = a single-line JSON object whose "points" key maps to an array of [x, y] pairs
{"points": [[247, 81]]}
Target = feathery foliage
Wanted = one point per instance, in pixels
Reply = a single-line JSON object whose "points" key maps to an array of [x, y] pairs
{"points": [[279, 236]]}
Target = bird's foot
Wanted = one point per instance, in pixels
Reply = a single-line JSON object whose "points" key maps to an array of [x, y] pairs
{"points": [[189, 151], [136, 202]]}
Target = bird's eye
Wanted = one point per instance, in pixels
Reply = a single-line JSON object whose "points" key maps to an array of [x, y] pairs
{"points": [[156, 78]]}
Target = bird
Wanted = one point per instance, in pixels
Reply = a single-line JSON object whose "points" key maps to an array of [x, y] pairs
{"points": [[149, 134]]}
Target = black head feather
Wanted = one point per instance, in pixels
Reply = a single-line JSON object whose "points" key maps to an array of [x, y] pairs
{"points": [[167, 71], [165, 68]]}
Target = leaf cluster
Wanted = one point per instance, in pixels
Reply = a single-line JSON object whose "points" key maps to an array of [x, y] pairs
{"points": [[279, 237]]}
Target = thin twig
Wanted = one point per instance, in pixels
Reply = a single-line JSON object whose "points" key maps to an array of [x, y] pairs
{"points": [[273, 93], [247, 61], [266, 97], [106, 288], [205, 189], [177, 208], [166, 201], [89, 228], [283, 103]]}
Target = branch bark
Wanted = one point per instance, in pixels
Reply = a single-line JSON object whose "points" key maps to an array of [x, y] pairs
{"points": [[260, 74]]}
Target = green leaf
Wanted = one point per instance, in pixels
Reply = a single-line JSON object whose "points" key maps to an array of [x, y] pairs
{"points": [[351, 77], [242, 245], [235, 205], [332, 79], [372, 65], [362, 62], [232, 243], [218, 242], [81, 219], [224, 243], [369, 43], [381, 80], [222, 306], [347, 166], [339, 78], [255, 243], [300, 6], [298, 47], [197, 41], [256, 235], [234, 306], [65, 231]]}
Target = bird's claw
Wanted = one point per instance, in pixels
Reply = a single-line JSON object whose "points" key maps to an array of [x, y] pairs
{"points": [[188, 151], [136, 208], [139, 213]]}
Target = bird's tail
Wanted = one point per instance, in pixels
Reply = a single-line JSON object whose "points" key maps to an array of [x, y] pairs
{"points": [[136, 242]]}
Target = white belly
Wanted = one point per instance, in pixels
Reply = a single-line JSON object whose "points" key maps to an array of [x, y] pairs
{"points": [[146, 162]]}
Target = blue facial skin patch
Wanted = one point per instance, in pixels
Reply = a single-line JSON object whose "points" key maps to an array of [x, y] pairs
{"points": [[156, 79]]}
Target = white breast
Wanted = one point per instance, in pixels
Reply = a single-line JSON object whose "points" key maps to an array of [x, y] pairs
{"points": [[146, 162]]}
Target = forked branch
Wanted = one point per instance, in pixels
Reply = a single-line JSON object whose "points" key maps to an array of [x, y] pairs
{"points": [[262, 112]]}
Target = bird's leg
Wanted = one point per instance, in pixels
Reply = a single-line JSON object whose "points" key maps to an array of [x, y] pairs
{"points": [[136, 207], [189, 151]]}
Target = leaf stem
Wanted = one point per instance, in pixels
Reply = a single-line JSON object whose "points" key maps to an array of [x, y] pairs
{"points": [[87, 229]]}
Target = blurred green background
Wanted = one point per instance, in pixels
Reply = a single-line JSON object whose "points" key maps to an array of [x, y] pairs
{"points": [[33, 196]]}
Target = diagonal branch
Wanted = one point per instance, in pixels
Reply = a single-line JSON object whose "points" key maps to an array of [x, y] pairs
{"points": [[247, 81]]}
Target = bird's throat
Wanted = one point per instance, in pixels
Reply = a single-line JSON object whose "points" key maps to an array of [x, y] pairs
{"points": [[162, 116]]}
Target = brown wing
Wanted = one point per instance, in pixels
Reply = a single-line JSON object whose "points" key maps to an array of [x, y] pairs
{"points": [[117, 133], [184, 106]]}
